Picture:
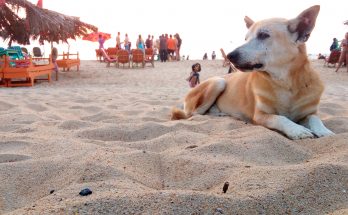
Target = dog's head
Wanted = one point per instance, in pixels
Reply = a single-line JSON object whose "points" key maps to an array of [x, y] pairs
{"points": [[274, 43]]}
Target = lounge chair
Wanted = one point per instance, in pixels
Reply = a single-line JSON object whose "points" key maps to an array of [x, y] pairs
{"points": [[149, 57], [138, 57], [13, 54], [333, 58], [112, 52], [226, 60], [2, 65], [37, 52], [25, 72], [19, 51], [68, 60], [123, 58], [107, 58], [98, 55]]}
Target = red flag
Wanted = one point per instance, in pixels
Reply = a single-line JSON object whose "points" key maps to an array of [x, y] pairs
{"points": [[39, 3]]}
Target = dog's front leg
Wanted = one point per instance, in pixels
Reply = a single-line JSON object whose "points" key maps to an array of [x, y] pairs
{"points": [[314, 123], [283, 124]]}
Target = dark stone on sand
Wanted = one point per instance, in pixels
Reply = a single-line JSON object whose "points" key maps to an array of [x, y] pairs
{"points": [[219, 210], [85, 192], [225, 187], [52, 191], [192, 147]]}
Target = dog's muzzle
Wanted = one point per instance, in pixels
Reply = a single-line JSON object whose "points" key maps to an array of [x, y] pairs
{"points": [[235, 58]]}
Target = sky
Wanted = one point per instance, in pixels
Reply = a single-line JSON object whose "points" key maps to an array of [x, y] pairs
{"points": [[204, 26]]}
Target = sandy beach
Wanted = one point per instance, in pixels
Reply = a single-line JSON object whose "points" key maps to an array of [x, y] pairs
{"points": [[108, 129]]}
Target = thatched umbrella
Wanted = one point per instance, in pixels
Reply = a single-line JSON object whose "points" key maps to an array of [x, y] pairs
{"points": [[38, 24]]}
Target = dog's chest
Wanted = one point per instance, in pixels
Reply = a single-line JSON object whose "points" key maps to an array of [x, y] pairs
{"points": [[285, 103]]}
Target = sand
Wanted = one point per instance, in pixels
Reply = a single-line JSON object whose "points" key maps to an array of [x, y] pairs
{"points": [[108, 129]]}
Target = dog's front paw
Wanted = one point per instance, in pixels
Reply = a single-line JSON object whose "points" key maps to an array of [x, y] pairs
{"points": [[299, 132]]}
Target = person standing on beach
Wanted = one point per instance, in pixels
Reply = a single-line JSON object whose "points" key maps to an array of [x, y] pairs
{"points": [[334, 45], [178, 46], [101, 41], [118, 41], [171, 47], [127, 44], [148, 42], [344, 52], [140, 44], [156, 47], [213, 55], [163, 49], [54, 55], [152, 41]]}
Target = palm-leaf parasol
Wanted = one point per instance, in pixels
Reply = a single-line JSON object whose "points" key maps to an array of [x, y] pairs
{"points": [[94, 36], [38, 23]]}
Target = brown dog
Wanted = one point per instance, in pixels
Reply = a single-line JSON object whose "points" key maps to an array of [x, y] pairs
{"points": [[275, 87]]}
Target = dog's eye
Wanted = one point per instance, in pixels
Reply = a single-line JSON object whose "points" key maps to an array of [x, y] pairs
{"points": [[262, 35]]}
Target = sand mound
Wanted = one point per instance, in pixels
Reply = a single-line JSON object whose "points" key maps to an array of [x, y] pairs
{"points": [[108, 129]]}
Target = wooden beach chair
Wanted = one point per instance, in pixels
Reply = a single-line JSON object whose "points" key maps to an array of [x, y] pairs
{"points": [[68, 60], [112, 52], [333, 58], [138, 58], [226, 61], [98, 55], [108, 59], [17, 73], [2, 65], [123, 58], [150, 57]]}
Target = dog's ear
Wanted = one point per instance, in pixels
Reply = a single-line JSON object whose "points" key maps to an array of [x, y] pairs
{"points": [[249, 22], [304, 23]]}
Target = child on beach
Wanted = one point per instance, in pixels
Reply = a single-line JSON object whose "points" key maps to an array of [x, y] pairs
{"points": [[54, 55], [193, 79]]}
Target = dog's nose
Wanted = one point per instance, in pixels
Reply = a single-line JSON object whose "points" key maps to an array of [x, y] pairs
{"points": [[233, 56]]}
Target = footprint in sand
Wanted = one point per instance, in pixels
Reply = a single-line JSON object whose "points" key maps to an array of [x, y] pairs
{"points": [[332, 109], [5, 106], [92, 109], [36, 107], [337, 124], [145, 131], [9, 158], [131, 112], [13, 145], [268, 149], [72, 125], [20, 119], [98, 117], [83, 101], [9, 127]]}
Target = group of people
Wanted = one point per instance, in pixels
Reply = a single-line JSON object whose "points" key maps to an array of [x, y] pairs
{"points": [[343, 47], [166, 47], [213, 56]]}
